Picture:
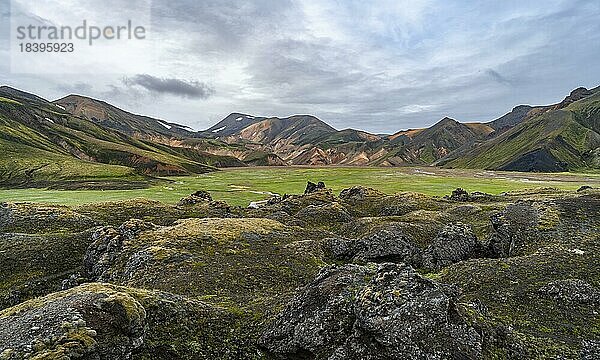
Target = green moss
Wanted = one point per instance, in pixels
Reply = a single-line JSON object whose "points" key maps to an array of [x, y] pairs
{"points": [[549, 218], [35, 265], [510, 291], [432, 276], [9, 101], [222, 279]]}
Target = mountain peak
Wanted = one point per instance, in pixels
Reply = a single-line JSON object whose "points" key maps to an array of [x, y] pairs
{"points": [[9, 88], [446, 121], [575, 95], [580, 90], [237, 114], [301, 116], [108, 115], [251, 127], [232, 124], [522, 107], [79, 97]]}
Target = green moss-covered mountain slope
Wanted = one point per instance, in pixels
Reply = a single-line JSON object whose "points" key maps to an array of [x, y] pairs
{"points": [[557, 140]]}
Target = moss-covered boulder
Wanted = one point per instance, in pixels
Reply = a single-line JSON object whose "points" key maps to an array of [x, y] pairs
{"points": [[108, 322], [88, 322], [36, 264], [549, 298], [118, 212], [456, 242], [35, 218], [374, 312], [326, 215], [246, 261], [389, 244]]}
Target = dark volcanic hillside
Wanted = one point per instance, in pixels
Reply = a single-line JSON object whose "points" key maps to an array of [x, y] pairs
{"points": [[10, 93], [297, 130], [562, 137], [515, 117], [232, 125]]}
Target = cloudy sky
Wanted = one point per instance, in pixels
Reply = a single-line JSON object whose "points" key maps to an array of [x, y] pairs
{"points": [[379, 66]]}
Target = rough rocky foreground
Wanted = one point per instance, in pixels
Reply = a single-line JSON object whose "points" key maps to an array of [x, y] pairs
{"points": [[359, 275]]}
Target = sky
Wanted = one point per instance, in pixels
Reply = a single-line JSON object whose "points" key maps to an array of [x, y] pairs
{"points": [[380, 66]]}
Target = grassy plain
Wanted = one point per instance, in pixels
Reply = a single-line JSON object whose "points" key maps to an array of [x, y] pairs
{"points": [[241, 186]]}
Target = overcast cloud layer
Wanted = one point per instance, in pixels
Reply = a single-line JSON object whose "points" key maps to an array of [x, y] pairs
{"points": [[379, 66]]}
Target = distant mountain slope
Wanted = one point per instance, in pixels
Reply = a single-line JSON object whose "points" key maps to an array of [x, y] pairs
{"points": [[479, 129], [344, 147], [524, 112], [297, 129], [74, 147], [176, 137], [112, 117], [348, 136], [411, 133], [306, 140], [516, 116], [11, 93], [298, 140], [231, 125], [562, 137], [521, 113], [23, 165], [80, 131], [587, 111], [428, 145]]}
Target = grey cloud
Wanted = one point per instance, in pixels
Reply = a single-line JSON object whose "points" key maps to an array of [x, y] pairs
{"points": [[496, 76], [128, 98], [177, 87], [320, 77], [510, 53], [222, 25], [342, 85], [303, 71]]}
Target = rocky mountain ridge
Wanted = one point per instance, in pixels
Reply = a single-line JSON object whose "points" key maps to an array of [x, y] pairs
{"points": [[84, 131]]}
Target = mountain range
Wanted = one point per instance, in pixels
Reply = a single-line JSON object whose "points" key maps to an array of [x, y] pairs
{"points": [[84, 139]]}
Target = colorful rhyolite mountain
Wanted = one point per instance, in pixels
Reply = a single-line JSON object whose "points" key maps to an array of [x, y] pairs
{"points": [[77, 137]]}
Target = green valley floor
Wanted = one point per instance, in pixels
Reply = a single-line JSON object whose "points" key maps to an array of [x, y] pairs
{"points": [[240, 186]]}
